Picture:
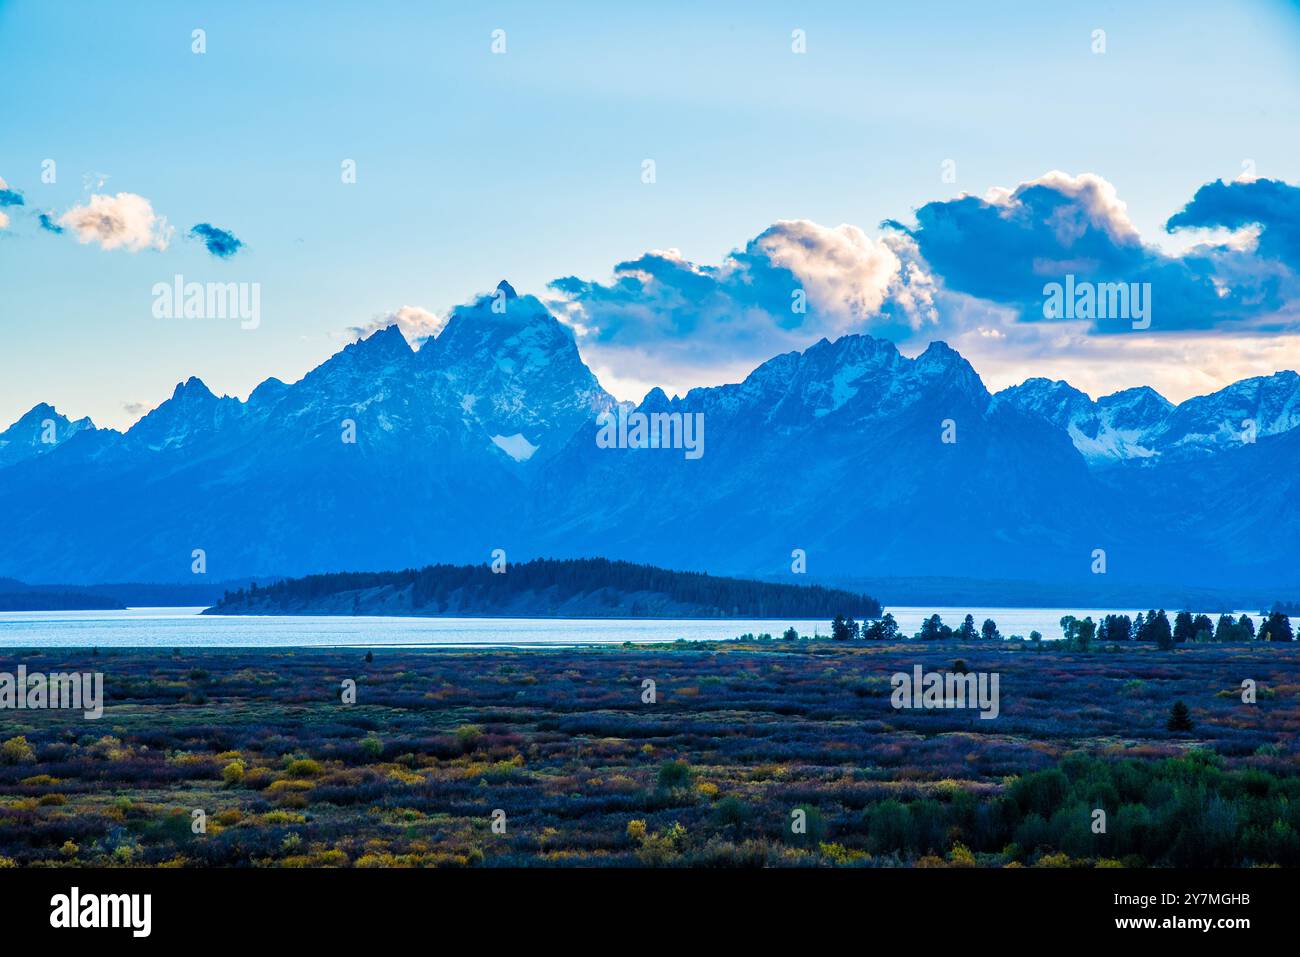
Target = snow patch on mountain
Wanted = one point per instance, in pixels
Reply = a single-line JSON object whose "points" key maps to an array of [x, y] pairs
{"points": [[515, 446]]}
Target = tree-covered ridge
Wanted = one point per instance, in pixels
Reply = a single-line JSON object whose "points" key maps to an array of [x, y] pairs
{"points": [[56, 601], [541, 586]]}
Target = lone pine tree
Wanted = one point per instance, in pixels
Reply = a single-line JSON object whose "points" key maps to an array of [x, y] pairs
{"points": [[1180, 718]]}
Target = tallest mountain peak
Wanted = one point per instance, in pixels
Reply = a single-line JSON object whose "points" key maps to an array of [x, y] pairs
{"points": [[507, 289]]}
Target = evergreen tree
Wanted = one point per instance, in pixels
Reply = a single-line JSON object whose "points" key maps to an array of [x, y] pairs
{"points": [[1184, 629], [1245, 628], [933, 629], [1161, 634], [1180, 718], [1226, 630], [1116, 628], [883, 629], [966, 630], [1276, 628], [840, 629], [989, 630], [1084, 632]]}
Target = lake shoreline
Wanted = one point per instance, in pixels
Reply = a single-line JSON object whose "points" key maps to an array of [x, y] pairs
{"points": [[186, 627]]}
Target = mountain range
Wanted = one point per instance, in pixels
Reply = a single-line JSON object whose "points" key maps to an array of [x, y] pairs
{"points": [[861, 460]]}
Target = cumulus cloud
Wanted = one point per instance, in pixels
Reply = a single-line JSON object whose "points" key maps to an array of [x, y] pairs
{"points": [[1267, 210], [1004, 247], [220, 242], [788, 286], [417, 325], [970, 271], [123, 221]]}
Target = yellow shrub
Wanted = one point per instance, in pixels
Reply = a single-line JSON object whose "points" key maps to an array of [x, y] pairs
{"points": [[961, 856], [16, 750], [282, 817]]}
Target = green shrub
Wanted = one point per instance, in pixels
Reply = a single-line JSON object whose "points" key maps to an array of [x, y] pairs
{"points": [[674, 774]]}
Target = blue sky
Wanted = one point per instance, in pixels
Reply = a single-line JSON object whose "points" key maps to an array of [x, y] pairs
{"points": [[473, 166]]}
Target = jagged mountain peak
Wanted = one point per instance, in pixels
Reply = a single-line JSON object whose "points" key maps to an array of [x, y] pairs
{"points": [[387, 341], [38, 431], [1053, 399], [1139, 425], [192, 389], [192, 412], [655, 400], [940, 356], [43, 410], [486, 440], [268, 390], [1135, 395], [1041, 385], [1259, 406]]}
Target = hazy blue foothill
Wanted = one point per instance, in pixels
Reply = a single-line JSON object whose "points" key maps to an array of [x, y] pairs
{"points": [[484, 438]]}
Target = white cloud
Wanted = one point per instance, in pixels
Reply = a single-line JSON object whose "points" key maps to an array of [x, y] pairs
{"points": [[126, 221], [843, 271], [1097, 200], [416, 324]]}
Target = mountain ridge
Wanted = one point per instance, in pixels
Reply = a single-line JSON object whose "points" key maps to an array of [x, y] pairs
{"points": [[873, 463]]}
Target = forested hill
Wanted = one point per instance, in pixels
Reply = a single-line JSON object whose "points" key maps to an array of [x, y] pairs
{"points": [[544, 588]]}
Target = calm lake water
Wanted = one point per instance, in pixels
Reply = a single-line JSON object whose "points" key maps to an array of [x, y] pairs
{"points": [[185, 627]]}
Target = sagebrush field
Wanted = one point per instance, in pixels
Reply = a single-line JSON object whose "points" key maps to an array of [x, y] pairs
{"points": [[741, 736]]}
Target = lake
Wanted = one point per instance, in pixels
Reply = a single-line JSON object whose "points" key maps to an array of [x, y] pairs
{"points": [[185, 627]]}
